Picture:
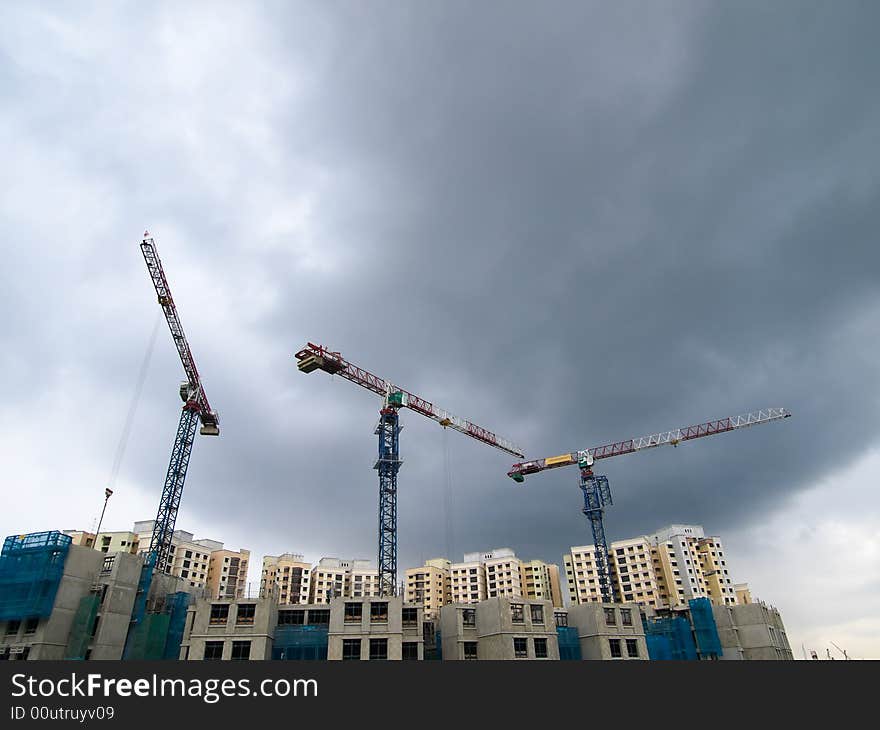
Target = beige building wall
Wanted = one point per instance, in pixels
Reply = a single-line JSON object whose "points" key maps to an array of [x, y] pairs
{"points": [[743, 594], [467, 582], [633, 574], [335, 578], [429, 586], [716, 575], [227, 573], [291, 576], [541, 580], [107, 542], [189, 558]]}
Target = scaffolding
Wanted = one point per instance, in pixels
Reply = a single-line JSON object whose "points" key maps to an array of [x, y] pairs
{"points": [[569, 643], [705, 628], [81, 630], [31, 567], [670, 639]]}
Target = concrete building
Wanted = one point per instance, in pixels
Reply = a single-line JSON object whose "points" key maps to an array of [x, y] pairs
{"points": [[608, 630], [499, 628], [291, 576], [752, 631], [107, 542], [235, 629], [92, 595], [371, 628], [665, 569], [541, 580], [227, 573]]}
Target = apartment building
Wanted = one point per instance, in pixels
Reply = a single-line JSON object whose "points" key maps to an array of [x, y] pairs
{"points": [[490, 574], [467, 582], [429, 585], [541, 580], [291, 576], [188, 558], [334, 578], [668, 568], [227, 573], [499, 628], [374, 629], [107, 542]]}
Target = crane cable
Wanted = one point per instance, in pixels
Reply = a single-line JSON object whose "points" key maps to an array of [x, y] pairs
{"points": [[447, 496], [135, 400]]}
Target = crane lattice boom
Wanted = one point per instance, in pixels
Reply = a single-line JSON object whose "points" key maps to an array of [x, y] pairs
{"points": [[672, 438], [195, 396], [314, 357]]}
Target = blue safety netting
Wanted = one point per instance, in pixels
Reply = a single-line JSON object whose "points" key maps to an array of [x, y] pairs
{"points": [[708, 641], [569, 644], [31, 567], [176, 605], [304, 642], [670, 639]]}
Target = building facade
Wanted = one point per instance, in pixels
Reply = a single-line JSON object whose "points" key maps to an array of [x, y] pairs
{"points": [[227, 573], [500, 628], [291, 576], [666, 569]]}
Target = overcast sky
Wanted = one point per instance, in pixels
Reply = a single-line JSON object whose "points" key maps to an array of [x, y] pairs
{"points": [[570, 223]]}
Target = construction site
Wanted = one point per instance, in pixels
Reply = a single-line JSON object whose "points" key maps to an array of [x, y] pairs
{"points": [[85, 601]]}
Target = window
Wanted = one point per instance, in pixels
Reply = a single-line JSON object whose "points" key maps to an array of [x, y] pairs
{"points": [[469, 617], [537, 614], [219, 613], [410, 650], [188, 554], [614, 644], [561, 619], [245, 614], [410, 616], [351, 649], [241, 650], [516, 613], [291, 618], [626, 616], [31, 626], [520, 647], [610, 618], [213, 650], [632, 648], [540, 648], [378, 649], [320, 617], [469, 649], [353, 612], [379, 612], [12, 627]]}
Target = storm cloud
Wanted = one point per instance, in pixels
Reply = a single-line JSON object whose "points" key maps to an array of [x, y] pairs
{"points": [[570, 223]]}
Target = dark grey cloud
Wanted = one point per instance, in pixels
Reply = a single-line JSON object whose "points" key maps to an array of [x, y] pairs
{"points": [[572, 223]]}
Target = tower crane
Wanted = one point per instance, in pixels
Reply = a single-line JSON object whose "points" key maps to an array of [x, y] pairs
{"points": [[195, 409], [316, 357], [597, 493]]}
